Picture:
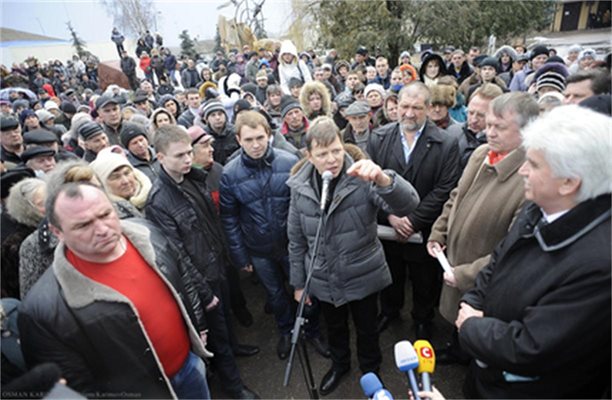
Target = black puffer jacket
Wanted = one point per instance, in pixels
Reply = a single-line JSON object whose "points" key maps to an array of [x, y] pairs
{"points": [[93, 333], [255, 203], [199, 237]]}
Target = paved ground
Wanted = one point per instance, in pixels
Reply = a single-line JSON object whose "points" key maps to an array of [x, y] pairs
{"points": [[264, 372]]}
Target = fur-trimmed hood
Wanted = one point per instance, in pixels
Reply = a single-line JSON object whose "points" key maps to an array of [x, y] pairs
{"points": [[315, 87], [505, 49]]}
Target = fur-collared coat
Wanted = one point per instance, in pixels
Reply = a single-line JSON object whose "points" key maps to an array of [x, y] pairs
{"points": [[94, 334]]}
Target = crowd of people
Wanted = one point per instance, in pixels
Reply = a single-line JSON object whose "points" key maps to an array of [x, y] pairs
{"points": [[128, 213]]}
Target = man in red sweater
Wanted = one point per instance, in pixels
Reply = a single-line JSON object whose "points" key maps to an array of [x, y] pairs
{"points": [[109, 310]]}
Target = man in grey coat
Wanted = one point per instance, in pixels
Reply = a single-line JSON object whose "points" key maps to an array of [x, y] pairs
{"points": [[350, 268]]}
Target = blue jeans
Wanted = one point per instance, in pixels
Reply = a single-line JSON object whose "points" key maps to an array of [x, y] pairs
{"points": [[190, 381], [272, 275]]}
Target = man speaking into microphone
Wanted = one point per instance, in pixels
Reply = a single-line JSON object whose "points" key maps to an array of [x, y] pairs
{"points": [[350, 267]]}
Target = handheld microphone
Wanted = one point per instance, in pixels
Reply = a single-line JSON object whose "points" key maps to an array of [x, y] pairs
{"points": [[427, 362], [406, 361], [326, 176], [373, 388]]}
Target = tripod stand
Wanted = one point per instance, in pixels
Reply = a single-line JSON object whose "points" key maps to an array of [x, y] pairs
{"points": [[297, 336]]}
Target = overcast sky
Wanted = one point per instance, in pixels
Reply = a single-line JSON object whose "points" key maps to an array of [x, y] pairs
{"points": [[89, 18]]}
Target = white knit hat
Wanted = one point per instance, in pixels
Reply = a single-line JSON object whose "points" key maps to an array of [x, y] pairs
{"points": [[106, 162]]}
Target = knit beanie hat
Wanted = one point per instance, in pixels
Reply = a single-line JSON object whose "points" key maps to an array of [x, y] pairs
{"points": [[587, 53], [551, 75], [44, 115], [68, 108], [107, 162], [537, 51], [551, 79], [25, 114], [130, 131], [211, 106], [374, 87], [51, 105], [90, 129], [490, 62], [287, 104]]}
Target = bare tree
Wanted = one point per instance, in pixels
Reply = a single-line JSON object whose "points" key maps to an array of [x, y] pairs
{"points": [[132, 16]]}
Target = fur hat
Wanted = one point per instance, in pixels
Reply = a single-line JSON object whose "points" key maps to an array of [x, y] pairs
{"points": [[443, 95]]}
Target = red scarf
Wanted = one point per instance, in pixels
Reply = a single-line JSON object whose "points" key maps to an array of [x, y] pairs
{"points": [[495, 157]]}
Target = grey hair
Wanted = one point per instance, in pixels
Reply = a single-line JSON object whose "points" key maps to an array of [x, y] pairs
{"points": [[20, 202], [523, 105], [576, 143], [416, 88]]}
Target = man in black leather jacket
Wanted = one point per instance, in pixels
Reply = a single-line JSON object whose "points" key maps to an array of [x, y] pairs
{"points": [[110, 336], [181, 205]]}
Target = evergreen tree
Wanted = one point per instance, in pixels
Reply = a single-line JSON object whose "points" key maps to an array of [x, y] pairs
{"points": [[77, 42], [218, 45], [188, 46]]}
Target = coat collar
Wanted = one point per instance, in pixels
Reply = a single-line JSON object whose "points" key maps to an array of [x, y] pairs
{"points": [[510, 164], [266, 160], [79, 290], [573, 225]]}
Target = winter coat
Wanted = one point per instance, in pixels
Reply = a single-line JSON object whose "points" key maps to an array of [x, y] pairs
{"points": [[464, 72], [350, 264], [174, 212], [149, 168], [432, 168], [186, 118], [467, 142], [94, 334], [190, 78], [476, 217], [254, 205], [225, 142], [546, 302], [117, 37], [296, 69], [35, 256]]}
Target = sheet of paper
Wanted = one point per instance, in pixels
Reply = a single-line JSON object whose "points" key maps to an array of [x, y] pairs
{"points": [[443, 261]]}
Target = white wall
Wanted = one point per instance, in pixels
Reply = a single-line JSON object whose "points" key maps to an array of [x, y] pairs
{"points": [[105, 51]]}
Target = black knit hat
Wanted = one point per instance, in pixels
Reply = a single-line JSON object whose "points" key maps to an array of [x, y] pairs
{"points": [[90, 130], [68, 108], [129, 131], [490, 62], [287, 104], [537, 51]]}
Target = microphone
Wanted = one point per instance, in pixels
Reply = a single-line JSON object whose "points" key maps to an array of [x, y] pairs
{"points": [[406, 361], [326, 176], [427, 362], [373, 388]]}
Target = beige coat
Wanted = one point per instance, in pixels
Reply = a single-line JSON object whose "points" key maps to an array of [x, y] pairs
{"points": [[476, 217]]}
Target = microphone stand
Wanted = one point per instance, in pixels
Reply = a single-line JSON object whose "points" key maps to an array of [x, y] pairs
{"points": [[297, 334]]}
